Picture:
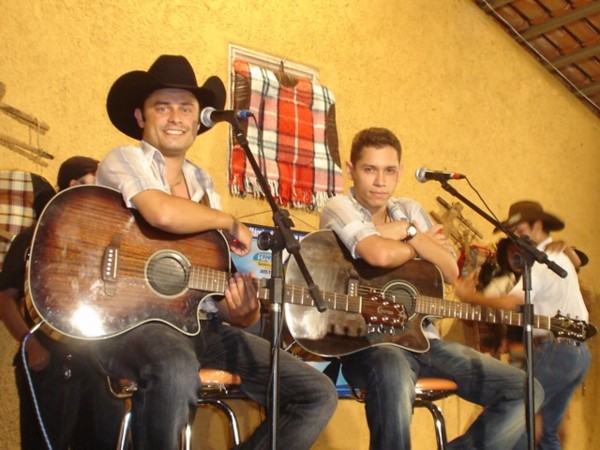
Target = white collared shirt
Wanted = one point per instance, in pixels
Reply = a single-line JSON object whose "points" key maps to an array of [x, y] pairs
{"points": [[550, 293]]}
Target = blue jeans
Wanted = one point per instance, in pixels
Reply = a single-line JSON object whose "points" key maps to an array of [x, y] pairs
{"points": [[388, 375], [165, 364], [560, 368]]}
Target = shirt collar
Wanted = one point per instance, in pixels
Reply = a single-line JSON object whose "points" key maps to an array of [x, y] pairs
{"points": [[154, 154], [542, 245]]}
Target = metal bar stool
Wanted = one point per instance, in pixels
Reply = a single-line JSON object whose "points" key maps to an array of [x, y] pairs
{"points": [[217, 385], [428, 390]]}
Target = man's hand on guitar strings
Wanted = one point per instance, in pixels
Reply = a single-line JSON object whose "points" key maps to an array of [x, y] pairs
{"points": [[466, 287], [241, 300]]}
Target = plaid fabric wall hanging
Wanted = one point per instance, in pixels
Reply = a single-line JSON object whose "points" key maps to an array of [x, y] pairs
{"points": [[23, 196], [294, 139]]}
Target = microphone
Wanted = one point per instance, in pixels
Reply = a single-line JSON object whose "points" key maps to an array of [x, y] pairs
{"points": [[423, 174], [210, 116]]}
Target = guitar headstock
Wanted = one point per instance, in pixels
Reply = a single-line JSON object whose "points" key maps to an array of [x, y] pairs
{"points": [[379, 310], [566, 327]]}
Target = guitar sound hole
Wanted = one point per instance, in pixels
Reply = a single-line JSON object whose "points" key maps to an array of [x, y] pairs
{"points": [[402, 293], [167, 273]]}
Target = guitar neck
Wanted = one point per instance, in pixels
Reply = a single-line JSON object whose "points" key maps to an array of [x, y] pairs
{"points": [[210, 280], [298, 295], [207, 279], [479, 313]]}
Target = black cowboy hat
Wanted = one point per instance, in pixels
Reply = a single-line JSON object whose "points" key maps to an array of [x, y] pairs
{"points": [[168, 71], [529, 211]]}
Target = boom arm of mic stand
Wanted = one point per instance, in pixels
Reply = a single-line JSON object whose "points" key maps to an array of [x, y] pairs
{"points": [[528, 247]]}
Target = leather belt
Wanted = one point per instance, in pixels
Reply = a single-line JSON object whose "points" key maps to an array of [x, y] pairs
{"points": [[560, 340]]}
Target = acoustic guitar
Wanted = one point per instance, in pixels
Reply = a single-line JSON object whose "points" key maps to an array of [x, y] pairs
{"points": [[97, 269], [383, 306]]}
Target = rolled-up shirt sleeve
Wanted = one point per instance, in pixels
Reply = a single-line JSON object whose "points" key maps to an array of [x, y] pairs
{"points": [[130, 170]]}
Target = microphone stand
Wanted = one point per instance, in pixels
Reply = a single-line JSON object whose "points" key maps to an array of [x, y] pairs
{"points": [[529, 254], [282, 237]]}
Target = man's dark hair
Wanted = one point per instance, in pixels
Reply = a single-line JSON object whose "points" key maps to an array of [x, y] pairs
{"points": [[373, 137]]}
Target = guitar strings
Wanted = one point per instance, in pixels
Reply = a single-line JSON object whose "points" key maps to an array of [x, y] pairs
{"points": [[216, 280]]}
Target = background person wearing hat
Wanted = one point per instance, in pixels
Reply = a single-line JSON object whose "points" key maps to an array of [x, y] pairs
{"points": [[162, 107], [76, 408], [549, 294]]}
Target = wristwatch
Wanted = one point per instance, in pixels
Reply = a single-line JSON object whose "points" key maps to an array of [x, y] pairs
{"points": [[411, 232]]}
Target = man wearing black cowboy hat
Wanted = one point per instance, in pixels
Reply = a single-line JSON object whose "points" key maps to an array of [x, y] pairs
{"points": [[549, 294], [162, 107]]}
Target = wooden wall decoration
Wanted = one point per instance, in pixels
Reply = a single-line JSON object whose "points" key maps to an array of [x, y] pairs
{"points": [[33, 152]]}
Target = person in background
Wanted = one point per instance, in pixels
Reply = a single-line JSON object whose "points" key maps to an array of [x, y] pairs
{"points": [[387, 232], [549, 293], [75, 171], [161, 107], [76, 408]]}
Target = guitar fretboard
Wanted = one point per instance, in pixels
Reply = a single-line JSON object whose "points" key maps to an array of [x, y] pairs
{"points": [[478, 313], [206, 279], [298, 295]]}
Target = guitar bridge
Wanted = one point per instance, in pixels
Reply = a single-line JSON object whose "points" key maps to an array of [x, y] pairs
{"points": [[109, 265]]}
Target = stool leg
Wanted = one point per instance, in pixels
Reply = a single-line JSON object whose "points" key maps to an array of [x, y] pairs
{"points": [[438, 421], [231, 418], [186, 437], [124, 430]]}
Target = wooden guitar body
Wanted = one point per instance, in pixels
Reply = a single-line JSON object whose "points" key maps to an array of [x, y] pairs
{"points": [[336, 332], [98, 269]]}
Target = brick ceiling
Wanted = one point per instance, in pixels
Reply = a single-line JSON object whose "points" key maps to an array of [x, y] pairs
{"points": [[563, 35]]}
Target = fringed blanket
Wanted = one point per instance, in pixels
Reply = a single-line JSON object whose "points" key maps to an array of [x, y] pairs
{"points": [[294, 140]]}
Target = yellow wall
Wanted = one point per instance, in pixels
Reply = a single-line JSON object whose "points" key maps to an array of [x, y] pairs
{"points": [[460, 94]]}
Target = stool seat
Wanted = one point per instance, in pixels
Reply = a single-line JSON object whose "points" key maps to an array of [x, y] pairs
{"points": [[435, 388], [218, 377]]}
